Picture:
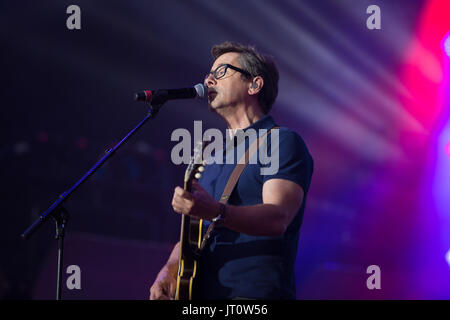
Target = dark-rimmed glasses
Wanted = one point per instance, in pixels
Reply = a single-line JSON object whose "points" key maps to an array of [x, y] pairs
{"points": [[221, 71]]}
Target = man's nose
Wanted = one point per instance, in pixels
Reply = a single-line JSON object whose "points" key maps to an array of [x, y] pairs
{"points": [[209, 80]]}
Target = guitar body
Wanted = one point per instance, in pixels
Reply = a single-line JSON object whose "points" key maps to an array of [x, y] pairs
{"points": [[190, 246], [191, 234]]}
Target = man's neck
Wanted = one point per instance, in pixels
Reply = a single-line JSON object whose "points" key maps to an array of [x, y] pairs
{"points": [[242, 118]]}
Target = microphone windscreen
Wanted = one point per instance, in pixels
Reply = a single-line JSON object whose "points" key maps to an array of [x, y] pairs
{"points": [[201, 90]]}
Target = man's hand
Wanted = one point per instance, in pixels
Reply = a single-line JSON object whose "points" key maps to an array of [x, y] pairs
{"points": [[198, 204], [164, 286]]}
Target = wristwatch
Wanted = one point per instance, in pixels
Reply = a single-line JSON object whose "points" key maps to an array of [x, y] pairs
{"points": [[220, 218]]}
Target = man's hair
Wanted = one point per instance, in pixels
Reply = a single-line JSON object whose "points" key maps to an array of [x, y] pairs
{"points": [[257, 65]]}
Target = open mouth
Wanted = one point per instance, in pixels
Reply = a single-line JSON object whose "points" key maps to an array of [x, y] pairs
{"points": [[212, 94]]}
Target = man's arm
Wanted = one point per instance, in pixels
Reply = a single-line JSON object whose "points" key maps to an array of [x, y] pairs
{"points": [[281, 201], [165, 284]]}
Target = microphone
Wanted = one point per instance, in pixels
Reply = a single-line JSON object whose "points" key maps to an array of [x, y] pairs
{"points": [[162, 95]]}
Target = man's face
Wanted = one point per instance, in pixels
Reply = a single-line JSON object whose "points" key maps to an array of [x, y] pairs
{"points": [[231, 89]]}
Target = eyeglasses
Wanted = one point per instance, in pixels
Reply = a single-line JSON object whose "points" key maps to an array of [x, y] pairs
{"points": [[222, 70]]}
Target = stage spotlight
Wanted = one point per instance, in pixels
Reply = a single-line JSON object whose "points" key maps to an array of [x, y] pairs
{"points": [[447, 257], [446, 44], [447, 149]]}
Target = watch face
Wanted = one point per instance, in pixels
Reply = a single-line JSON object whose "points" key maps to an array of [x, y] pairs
{"points": [[217, 220]]}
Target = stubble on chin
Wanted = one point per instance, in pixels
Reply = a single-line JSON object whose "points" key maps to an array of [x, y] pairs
{"points": [[212, 107]]}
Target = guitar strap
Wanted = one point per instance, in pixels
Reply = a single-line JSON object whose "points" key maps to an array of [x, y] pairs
{"points": [[234, 177]]}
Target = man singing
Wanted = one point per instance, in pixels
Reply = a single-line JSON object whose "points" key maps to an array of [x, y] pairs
{"points": [[251, 252]]}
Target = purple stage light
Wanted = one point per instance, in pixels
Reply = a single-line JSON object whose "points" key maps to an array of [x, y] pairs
{"points": [[447, 149], [446, 44]]}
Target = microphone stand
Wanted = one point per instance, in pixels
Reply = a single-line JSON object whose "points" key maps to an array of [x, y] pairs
{"points": [[57, 211]]}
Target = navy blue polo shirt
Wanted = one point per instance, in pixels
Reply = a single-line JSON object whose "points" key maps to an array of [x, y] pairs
{"points": [[234, 264]]}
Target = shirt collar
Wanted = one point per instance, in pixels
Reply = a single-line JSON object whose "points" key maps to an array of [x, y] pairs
{"points": [[266, 122]]}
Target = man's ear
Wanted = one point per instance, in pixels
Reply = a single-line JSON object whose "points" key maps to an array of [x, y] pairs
{"points": [[256, 85]]}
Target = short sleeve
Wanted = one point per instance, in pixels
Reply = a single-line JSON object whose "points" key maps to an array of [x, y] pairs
{"points": [[294, 160]]}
